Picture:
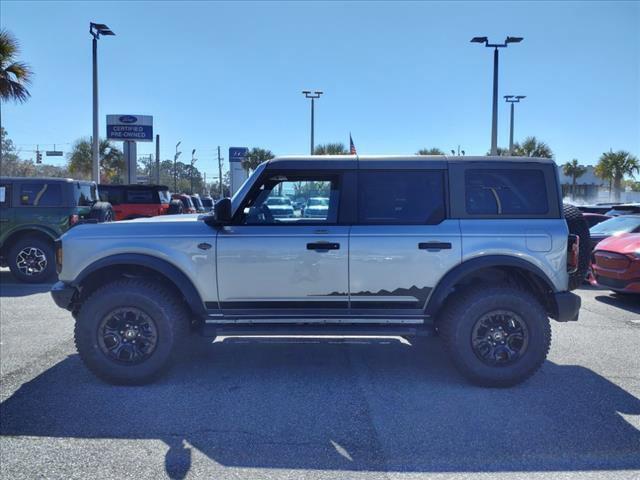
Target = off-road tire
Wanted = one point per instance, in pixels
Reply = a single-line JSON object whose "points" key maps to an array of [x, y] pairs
{"points": [[578, 226], [159, 303], [459, 317], [44, 246], [102, 212]]}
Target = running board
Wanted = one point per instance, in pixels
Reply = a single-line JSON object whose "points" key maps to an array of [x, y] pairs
{"points": [[315, 330]]}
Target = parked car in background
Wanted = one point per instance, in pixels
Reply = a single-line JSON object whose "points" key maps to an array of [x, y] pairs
{"points": [[136, 201], [616, 263], [279, 207], [316, 207], [187, 204], [601, 208], [624, 209], [34, 212], [595, 218], [208, 203], [614, 227], [197, 203]]}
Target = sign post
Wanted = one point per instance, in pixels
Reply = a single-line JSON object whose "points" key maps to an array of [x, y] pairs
{"points": [[130, 129], [237, 174]]}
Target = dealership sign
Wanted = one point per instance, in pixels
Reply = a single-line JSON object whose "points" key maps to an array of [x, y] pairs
{"points": [[134, 128]]}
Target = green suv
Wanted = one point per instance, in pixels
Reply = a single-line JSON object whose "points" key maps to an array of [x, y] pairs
{"points": [[34, 212]]}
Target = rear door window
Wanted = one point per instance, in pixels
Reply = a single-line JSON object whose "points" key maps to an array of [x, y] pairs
{"points": [[402, 197], [41, 194], [505, 192]]}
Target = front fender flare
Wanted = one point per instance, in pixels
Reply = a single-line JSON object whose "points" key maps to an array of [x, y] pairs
{"points": [[169, 271]]}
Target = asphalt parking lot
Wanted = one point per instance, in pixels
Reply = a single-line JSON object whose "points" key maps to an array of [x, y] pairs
{"points": [[318, 408]]}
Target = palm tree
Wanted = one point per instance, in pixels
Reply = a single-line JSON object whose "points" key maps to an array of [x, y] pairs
{"points": [[111, 160], [255, 157], [532, 147], [429, 151], [614, 166], [14, 75], [574, 170], [331, 149]]}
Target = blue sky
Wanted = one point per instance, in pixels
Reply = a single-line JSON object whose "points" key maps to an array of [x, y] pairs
{"points": [[399, 76]]}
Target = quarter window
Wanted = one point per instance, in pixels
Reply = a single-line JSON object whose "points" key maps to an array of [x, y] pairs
{"points": [[401, 197], [505, 192], [41, 194]]}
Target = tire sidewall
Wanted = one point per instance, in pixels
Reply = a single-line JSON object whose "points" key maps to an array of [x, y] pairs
{"points": [[530, 313], [45, 247], [88, 322]]}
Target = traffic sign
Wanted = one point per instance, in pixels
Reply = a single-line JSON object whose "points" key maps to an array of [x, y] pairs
{"points": [[54, 153], [135, 128]]}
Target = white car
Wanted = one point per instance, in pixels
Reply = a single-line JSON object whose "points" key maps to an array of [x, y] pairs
{"points": [[280, 207], [316, 207]]}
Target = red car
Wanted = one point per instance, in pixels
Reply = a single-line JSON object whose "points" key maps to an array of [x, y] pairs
{"points": [[187, 203], [616, 263], [136, 201]]}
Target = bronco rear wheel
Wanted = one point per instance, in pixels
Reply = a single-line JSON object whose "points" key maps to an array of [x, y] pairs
{"points": [[126, 331], [496, 336]]}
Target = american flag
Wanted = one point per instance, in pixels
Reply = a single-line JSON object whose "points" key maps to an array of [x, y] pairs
{"points": [[352, 147]]}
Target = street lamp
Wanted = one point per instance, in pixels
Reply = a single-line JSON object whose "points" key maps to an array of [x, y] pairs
{"points": [[175, 168], [193, 160], [312, 96], [494, 118], [512, 99], [96, 29]]}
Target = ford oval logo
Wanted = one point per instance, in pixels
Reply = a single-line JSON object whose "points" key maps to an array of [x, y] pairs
{"points": [[128, 119]]}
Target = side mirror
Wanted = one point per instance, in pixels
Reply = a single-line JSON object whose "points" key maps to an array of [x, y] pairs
{"points": [[221, 212]]}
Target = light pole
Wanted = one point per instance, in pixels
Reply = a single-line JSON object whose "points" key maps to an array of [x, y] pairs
{"points": [[512, 99], [96, 29], [193, 160], [312, 96], [494, 117], [175, 168]]}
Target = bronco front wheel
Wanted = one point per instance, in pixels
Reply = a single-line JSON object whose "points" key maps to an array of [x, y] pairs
{"points": [[126, 331]]}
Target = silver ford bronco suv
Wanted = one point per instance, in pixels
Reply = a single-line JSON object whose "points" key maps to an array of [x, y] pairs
{"points": [[478, 250]]}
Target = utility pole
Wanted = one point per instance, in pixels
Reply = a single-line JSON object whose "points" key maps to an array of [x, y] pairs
{"points": [[494, 105], [312, 96], [512, 99], [193, 160], [96, 29], [175, 168], [220, 173], [157, 159]]}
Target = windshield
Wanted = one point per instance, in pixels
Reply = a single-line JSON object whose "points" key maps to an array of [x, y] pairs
{"points": [[315, 202], [86, 194], [165, 196], [246, 186], [616, 226], [278, 201], [207, 202], [196, 202]]}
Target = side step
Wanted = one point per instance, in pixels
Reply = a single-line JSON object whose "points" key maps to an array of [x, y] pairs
{"points": [[244, 329]]}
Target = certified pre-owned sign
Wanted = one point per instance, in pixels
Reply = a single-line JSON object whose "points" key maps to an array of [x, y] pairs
{"points": [[136, 128]]}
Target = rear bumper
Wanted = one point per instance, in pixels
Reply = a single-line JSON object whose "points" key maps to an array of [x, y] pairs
{"points": [[567, 307], [63, 294]]}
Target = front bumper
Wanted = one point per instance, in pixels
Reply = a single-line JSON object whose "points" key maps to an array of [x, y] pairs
{"points": [[567, 307], [63, 294]]}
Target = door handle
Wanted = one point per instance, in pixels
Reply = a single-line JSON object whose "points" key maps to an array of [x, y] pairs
{"points": [[323, 246], [434, 246]]}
